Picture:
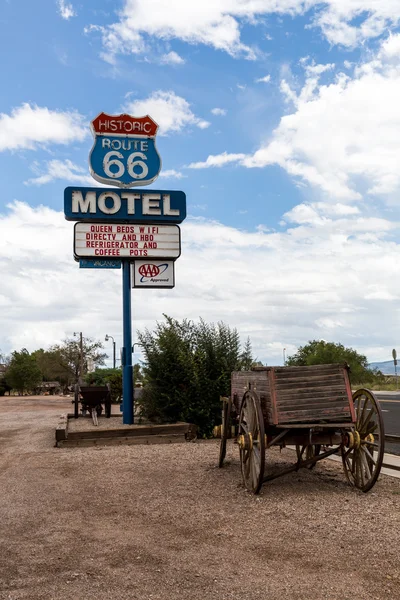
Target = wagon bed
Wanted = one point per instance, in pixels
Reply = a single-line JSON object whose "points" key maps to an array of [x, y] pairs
{"points": [[315, 394]]}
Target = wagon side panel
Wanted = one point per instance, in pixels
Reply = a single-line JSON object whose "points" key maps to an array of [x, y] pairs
{"points": [[314, 394], [258, 381]]}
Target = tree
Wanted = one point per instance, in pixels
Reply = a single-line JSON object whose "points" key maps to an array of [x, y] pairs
{"points": [[51, 365], [187, 368], [137, 374], [246, 358], [23, 372], [4, 364], [320, 352], [67, 356], [107, 376]]}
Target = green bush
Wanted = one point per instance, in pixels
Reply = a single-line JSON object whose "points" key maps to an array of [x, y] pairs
{"points": [[187, 368]]}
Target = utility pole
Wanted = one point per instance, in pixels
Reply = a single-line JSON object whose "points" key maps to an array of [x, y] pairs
{"points": [[80, 379], [284, 357]]}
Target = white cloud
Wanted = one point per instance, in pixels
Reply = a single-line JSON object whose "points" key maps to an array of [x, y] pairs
{"points": [[171, 112], [350, 22], [66, 10], [342, 137], [218, 160], [172, 174], [315, 69], [318, 213], [265, 79], [30, 127], [217, 23], [218, 112], [66, 170], [340, 271], [172, 58]]}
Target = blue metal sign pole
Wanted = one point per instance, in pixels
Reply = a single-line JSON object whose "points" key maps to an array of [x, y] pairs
{"points": [[127, 375]]}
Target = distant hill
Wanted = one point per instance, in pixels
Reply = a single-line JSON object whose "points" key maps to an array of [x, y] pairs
{"points": [[387, 367]]}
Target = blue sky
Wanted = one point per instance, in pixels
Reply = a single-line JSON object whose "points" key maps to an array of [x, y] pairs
{"points": [[279, 120]]}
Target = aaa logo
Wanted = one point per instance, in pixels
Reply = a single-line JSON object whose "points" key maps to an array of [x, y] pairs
{"points": [[151, 270]]}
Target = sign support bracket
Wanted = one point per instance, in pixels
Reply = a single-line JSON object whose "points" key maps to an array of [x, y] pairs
{"points": [[127, 374]]}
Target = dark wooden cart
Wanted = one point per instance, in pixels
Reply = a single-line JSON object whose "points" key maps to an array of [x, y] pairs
{"points": [[311, 408]]}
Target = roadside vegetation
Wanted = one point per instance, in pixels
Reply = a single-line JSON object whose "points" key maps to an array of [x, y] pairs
{"points": [[186, 367]]}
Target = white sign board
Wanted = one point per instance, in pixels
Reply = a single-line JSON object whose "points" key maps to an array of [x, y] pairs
{"points": [[120, 240], [153, 274]]}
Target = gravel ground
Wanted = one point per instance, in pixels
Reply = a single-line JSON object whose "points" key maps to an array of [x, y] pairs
{"points": [[158, 522]]}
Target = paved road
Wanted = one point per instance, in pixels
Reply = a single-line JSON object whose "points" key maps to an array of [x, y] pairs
{"points": [[390, 404]]}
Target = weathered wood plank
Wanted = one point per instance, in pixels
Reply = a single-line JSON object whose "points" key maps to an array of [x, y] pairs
{"points": [[292, 384], [145, 440], [313, 415], [314, 399], [316, 390], [313, 405], [309, 368], [140, 430]]}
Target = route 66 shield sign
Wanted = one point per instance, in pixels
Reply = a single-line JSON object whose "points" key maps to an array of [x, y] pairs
{"points": [[124, 152]]}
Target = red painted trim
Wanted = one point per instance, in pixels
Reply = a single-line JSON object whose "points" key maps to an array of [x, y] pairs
{"points": [[274, 408], [349, 394]]}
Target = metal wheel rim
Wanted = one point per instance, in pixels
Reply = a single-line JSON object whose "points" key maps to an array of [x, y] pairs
{"points": [[362, 464], [226, 423], [252, 462]]}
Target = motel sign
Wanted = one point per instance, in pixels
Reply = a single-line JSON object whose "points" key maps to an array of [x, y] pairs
{"points": [[120, 228]]}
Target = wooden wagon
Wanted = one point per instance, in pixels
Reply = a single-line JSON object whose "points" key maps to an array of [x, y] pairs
{"points": [[92, 399], [311, 408]]}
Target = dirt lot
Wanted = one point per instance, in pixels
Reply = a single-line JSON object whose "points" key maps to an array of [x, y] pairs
{"points": [[161, 522]]}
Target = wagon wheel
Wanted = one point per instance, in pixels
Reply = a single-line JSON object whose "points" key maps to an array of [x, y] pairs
{"points": [[225, 430], [311, 451], [363, 454], [251, 440]]}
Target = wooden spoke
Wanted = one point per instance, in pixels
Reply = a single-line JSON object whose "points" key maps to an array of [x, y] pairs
{"points": [[362, 461], [373, 444], [252, 442], [225, 430], [245, 427], [369, 456]]}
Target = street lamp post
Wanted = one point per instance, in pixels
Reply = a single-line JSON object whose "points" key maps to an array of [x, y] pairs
{"points": [[110, 337], [284, 356]]}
